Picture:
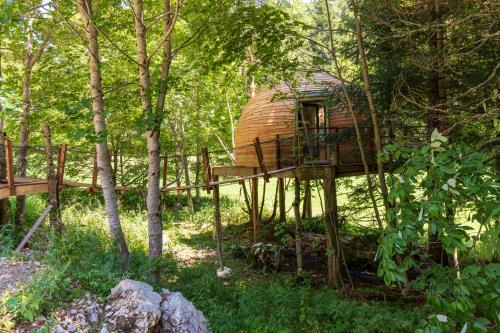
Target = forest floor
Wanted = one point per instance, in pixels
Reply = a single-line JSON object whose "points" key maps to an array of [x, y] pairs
{"points": [[250, 300]]}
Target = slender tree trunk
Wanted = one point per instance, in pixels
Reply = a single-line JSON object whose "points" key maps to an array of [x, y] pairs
{"points": [[298, 227], [335, 257], [355, 122], [4, 203], [185, 161], [24, 131], [103, 162], [198, 144], [371, 105], [437, 100], [153, 122], [30, 59], [55, 216]]}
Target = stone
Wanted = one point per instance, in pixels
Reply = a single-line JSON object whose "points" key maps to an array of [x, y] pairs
{"points": [[178, 315], [134, 307]]}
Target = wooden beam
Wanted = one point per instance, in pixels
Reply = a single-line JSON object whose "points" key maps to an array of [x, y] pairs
{"points": [[61, 163], [281, 181], [233, 171], [10, 167], [218, 223], [206, 168], [255, 207], [33, 228], [260, 158]]}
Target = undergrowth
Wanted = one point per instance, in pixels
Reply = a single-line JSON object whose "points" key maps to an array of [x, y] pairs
{"points": [[83, 260]]}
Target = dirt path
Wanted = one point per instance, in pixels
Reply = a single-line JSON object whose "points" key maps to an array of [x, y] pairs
{"points": [[14, 273]]}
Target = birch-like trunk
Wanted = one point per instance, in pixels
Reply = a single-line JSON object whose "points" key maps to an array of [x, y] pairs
{"points": [[152, 121], [103, 161], [371, 105], [30, 59]]}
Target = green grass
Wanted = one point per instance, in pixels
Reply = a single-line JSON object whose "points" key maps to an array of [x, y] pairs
{"points": [[249, 301]]}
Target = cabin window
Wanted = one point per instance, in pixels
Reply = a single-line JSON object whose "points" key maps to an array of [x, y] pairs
{"points": [[311, 127]]}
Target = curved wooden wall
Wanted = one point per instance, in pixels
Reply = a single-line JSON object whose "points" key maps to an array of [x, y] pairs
{"points": [[271, 113]]}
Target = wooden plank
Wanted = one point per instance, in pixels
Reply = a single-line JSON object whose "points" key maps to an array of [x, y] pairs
{"points": [[260, 158], [255, 208], [10, 167], [61, 163], [33, 228]]}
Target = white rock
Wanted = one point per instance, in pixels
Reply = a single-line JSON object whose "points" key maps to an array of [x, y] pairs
{"points": [[178, 315], [134, 307]]}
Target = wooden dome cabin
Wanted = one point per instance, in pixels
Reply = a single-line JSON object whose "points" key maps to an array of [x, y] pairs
{"points": [[302, 125], [303, 132]]}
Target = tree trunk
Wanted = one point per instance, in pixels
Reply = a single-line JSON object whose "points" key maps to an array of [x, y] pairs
{"points": [[103, 162], [24, 131], [30, 59], [198, 145], [153, 122], [307, 204], [371, 105], [298, 227], [437, 100], [4, 203], [355, 122], [185, 161], [335, 258], [55, 213]]}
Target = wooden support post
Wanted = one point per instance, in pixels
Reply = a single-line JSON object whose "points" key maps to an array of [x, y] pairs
{"points": [[61, 163], [218, 224], [55, 217], [255, 207], [10, 167], [165, 170], [207, 169], [94, 175], [335, 272], [260, 158], [281, 182], [298, 227]]}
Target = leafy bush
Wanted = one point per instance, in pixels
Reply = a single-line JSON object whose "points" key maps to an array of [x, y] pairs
{"points": [[446, 190]]}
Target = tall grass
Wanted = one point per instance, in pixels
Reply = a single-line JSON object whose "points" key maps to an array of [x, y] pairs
{"points": [[84, 260]]}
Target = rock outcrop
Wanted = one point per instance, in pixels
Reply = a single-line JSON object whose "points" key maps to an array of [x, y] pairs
{"points": [[134, 307], [178, 315]]}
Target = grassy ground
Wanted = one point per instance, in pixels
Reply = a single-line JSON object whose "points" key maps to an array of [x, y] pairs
{"points": [[249, 301]]}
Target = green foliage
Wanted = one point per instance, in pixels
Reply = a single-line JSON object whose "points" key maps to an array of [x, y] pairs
{"points": [[445, 190]]}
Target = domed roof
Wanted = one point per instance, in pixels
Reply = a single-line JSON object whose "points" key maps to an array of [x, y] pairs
{"points": [[271, 112]]}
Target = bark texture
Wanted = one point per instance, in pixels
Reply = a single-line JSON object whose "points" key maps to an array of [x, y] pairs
{"points": [[30, 59], [55, 215], [355, 122], [103, 160], [376, 129]]}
